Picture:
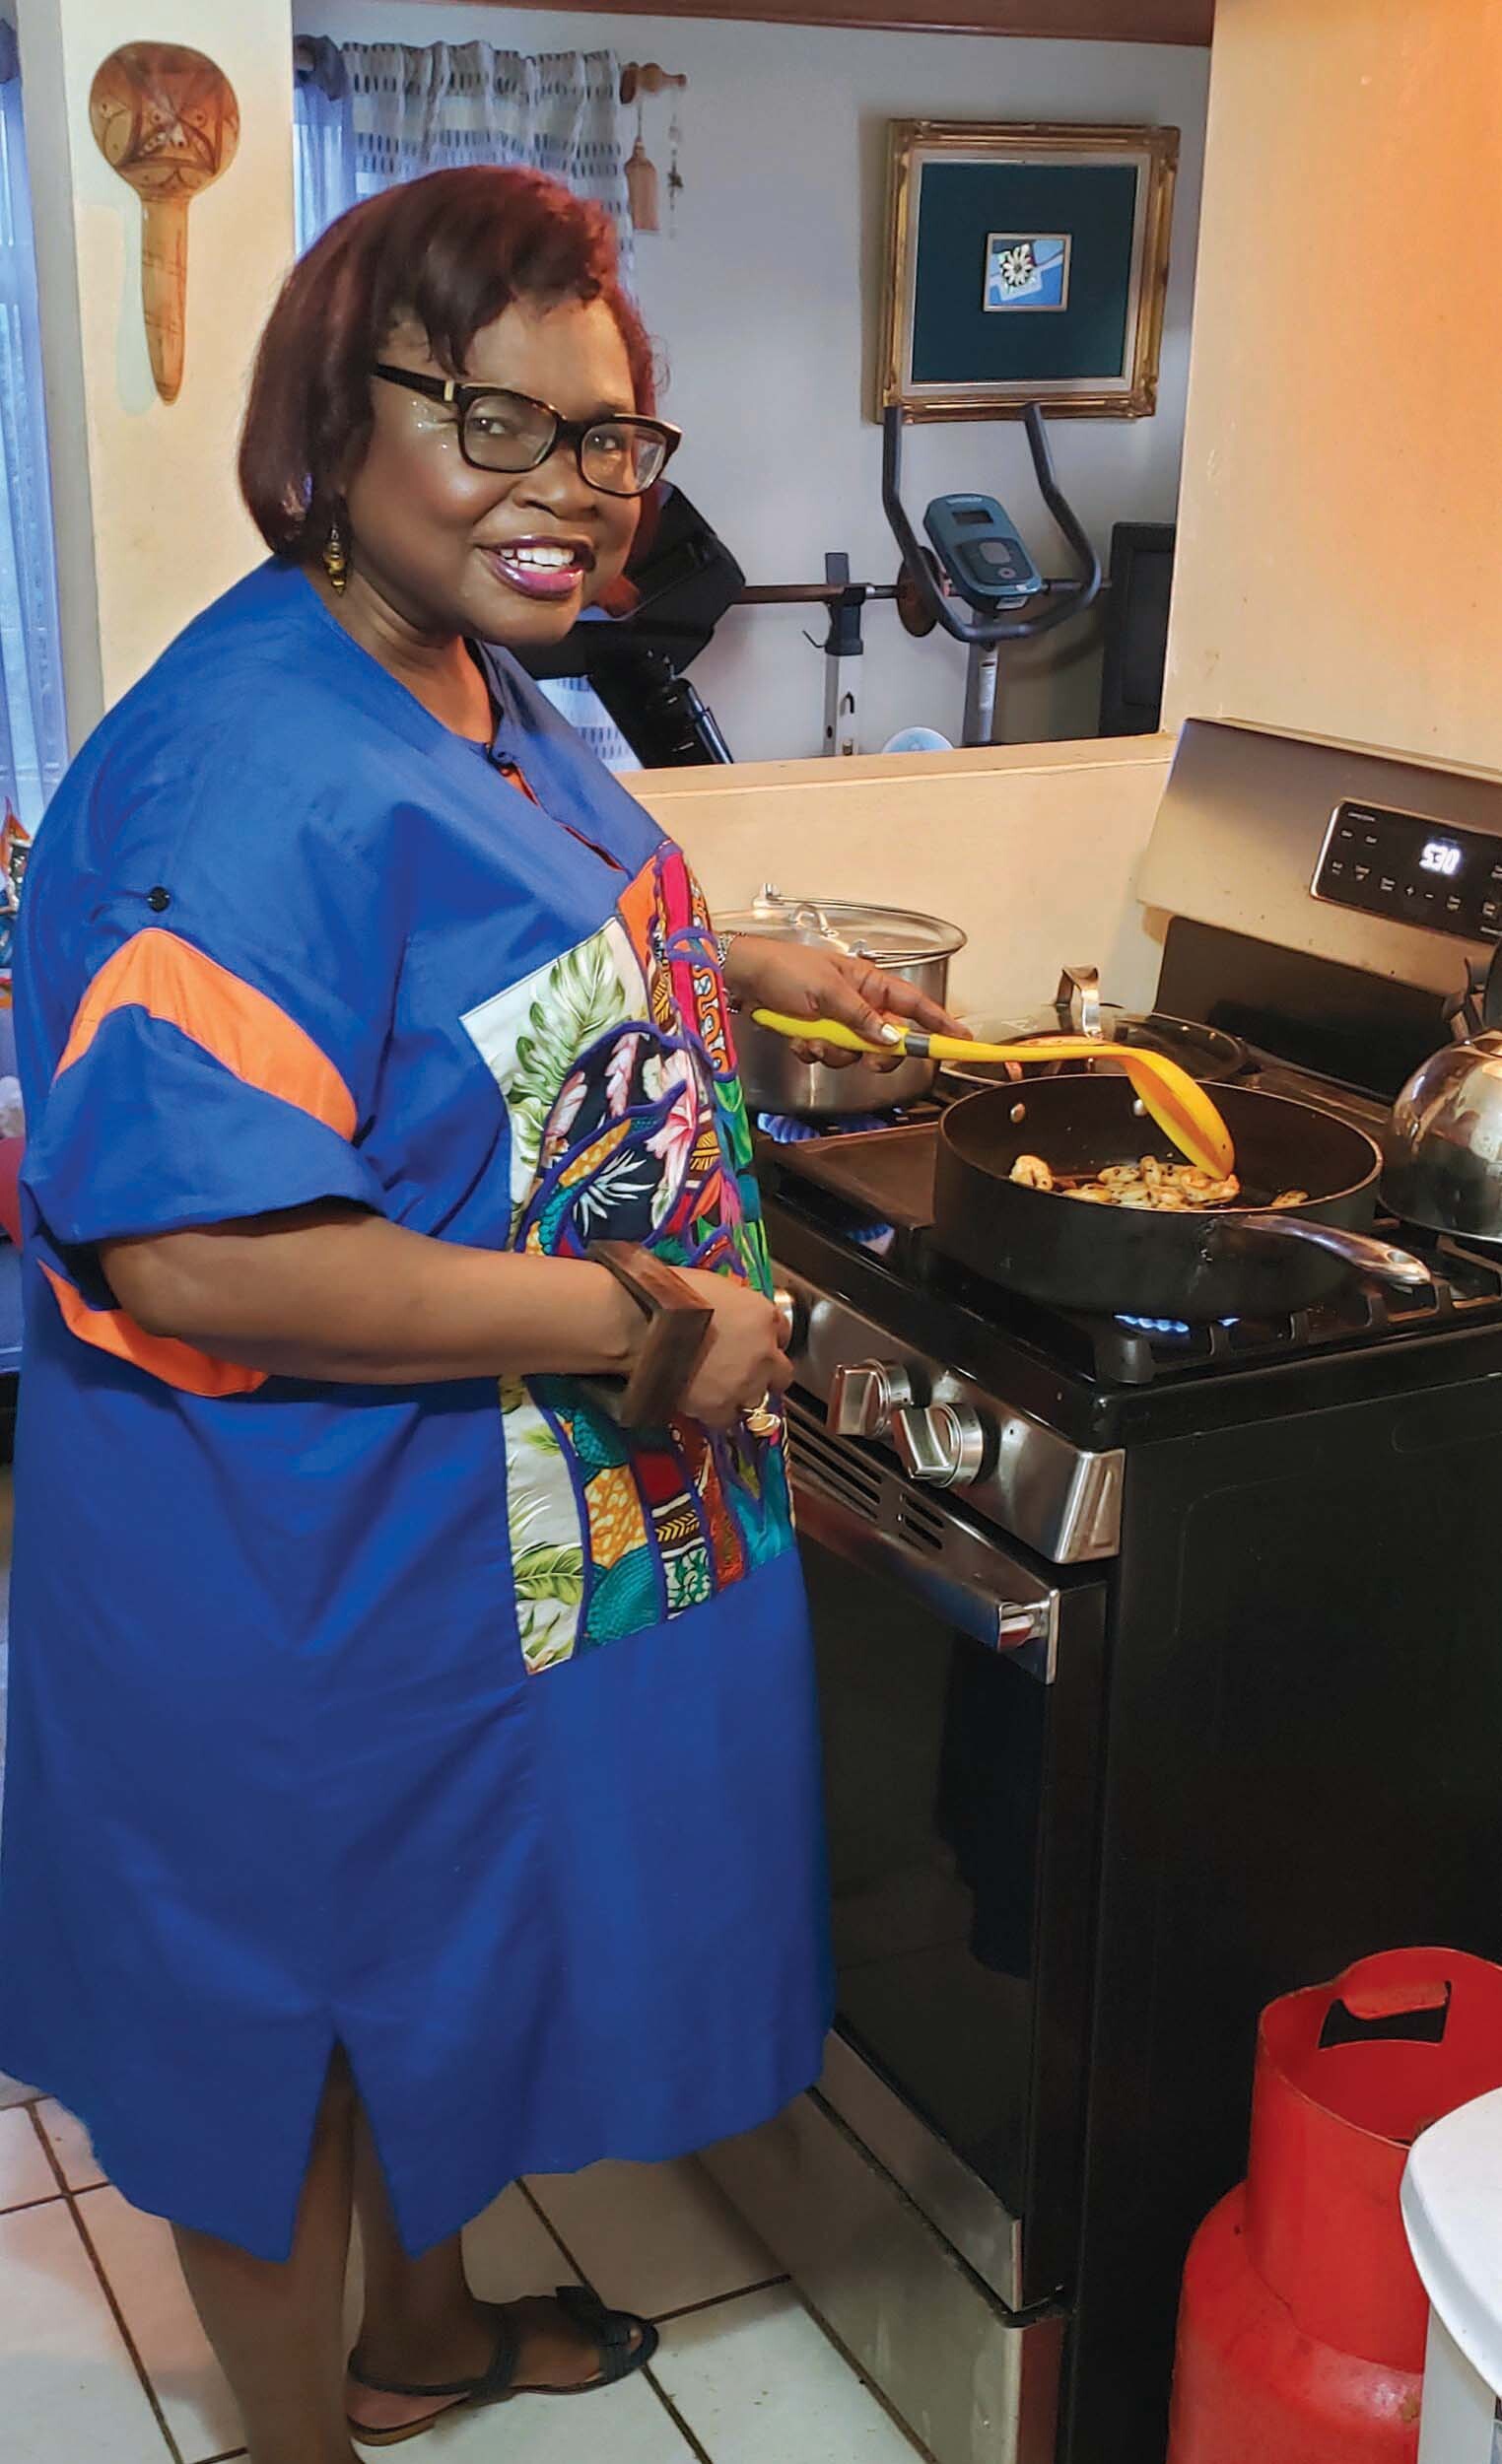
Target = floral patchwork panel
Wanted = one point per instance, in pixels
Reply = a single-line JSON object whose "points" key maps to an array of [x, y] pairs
{"points": [[628, 1123]]}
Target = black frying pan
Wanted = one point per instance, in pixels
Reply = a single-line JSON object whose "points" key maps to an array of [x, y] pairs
{"points": [[1231, 1263]]}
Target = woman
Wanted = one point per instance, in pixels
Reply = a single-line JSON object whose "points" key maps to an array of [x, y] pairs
{"points": [[413, 1769]]}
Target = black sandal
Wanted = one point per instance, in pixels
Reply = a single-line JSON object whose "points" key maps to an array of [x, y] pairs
{"points": [[623, 2342]]}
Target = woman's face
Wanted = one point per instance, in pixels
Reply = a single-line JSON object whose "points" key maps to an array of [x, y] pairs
{"points": [[438, 540]]}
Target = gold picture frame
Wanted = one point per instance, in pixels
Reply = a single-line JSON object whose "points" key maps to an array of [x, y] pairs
{"points": [[945, 353]]}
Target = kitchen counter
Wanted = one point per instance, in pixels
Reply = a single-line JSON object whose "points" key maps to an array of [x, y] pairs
{"points": [[1033, 849]]}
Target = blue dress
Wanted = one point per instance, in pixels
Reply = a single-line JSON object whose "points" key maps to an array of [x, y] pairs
{"points": [[447, 1724]]}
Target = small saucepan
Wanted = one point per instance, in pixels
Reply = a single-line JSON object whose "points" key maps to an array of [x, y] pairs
{"points": [[915, 946]]}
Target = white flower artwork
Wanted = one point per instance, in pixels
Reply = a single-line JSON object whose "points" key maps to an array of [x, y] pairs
{"points": [[1027, 270]]}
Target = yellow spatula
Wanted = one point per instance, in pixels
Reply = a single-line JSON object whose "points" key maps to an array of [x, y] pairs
{"points": [[1177, 1102]]}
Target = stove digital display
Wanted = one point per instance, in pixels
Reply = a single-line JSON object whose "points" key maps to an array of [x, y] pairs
{"points": [[1398, 866]]}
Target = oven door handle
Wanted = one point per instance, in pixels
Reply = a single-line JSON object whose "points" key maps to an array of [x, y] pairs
{"points": [[987, 1595]]}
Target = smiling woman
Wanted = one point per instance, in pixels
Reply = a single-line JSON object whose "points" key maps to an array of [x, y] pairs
{"points": [[409, 1750], [501, 430], [480, 300]]}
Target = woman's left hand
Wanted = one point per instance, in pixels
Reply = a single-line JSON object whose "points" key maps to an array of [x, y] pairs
{"points": [[805, 981]]}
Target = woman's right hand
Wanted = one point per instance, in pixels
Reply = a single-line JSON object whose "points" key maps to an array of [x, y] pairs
{"points": [[743, 1362]]}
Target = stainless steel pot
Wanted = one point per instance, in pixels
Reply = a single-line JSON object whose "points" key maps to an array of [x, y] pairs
{"points": [[1444, 1148], [914, 947]]}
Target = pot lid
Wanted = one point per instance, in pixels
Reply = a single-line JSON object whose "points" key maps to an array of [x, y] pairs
{"points": [[898, 937]]}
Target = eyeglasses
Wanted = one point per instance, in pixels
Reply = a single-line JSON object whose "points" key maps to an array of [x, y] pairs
{"points": [[502, 431]]}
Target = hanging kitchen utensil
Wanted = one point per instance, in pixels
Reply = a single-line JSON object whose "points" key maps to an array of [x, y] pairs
{"points": [[1239, 1262], [167, 119], [1181, 1109], [642, 184], [1444, 1148], [1209, 1054], [674, 176], [639, 78]]}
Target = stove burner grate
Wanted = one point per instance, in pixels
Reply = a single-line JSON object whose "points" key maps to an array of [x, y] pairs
{"points": [[784, 1128], [1179, 1330]]}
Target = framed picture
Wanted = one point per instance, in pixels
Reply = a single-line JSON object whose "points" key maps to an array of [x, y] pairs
{"points": [[1025, 265]]}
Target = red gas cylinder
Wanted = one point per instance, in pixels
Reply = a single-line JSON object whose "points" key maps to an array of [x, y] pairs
{"points": [[1302, 2324]]}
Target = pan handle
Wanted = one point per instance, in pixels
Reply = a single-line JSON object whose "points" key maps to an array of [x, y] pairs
{"points": [[1358, 1250], [1077, 1001]]}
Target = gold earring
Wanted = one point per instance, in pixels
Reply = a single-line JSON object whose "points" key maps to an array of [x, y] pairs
{"points": [[336, 563]]}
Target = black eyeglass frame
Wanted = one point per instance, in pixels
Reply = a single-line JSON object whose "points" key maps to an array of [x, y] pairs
{"points": [[461, 397]]}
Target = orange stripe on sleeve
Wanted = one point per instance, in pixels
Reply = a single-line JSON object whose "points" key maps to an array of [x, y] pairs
{"points": [[160, 1355], [158, 972]]}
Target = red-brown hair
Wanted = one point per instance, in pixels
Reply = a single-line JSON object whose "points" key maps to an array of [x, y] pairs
{"points": [[453, 251]]}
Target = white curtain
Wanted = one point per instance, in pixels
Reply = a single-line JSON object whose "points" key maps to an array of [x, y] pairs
{"points": [[575, 698], [323, 139], [371, 113], [33, 748]]}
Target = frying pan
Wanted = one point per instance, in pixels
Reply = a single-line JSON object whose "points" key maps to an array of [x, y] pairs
{"points": [[1237, 1262]]}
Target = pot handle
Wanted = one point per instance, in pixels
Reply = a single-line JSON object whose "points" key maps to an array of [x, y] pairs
{"points": [[1478, 1009], [1467, 1013], [1417, 2018], [1358, 1250], [805, 914], [1077, 1001]]}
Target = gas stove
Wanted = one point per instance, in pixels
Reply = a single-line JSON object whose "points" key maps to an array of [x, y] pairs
{"points": [[870, 1192], [1158, 1663]]}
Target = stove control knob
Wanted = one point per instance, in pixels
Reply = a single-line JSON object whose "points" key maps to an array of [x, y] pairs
{"points": [[864, 1393], [945, 1444], [791, 1319]]}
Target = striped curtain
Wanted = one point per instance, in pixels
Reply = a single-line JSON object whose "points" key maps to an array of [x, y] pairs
{"points": [[371, 113]]}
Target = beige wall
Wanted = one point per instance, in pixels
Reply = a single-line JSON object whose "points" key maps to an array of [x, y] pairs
{"points": [[150, 523], [1340, 541], [1034, 850]]}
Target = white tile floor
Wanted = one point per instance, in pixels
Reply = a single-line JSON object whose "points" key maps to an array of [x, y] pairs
{"points": [[101, 2355]]}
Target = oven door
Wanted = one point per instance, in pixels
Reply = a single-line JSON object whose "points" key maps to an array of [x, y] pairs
{"points": [[961, 1691]]}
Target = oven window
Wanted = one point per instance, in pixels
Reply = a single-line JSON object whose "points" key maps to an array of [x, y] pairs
{"points": [[936, 1755]]}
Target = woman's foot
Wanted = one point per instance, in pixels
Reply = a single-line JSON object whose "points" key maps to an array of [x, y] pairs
{"points": [[553, 2352]]}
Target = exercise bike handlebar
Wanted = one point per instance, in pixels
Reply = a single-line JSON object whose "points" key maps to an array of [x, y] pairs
{"points": [[1071, 600]]}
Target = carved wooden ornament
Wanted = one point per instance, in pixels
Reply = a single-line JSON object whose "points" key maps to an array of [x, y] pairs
{"points": [[167, 119]]}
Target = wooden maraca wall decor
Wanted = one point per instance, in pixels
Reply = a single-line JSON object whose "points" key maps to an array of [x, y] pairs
{"points": [[167, 119]]}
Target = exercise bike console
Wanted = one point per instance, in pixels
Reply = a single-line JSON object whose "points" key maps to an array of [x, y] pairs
{"points": [[982, 552]]}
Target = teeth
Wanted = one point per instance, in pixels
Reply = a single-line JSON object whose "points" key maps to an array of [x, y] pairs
{"points": [[547, 560]]}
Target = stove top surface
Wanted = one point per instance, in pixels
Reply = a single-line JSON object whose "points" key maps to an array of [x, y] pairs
{"points": [[861, 1198]]}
